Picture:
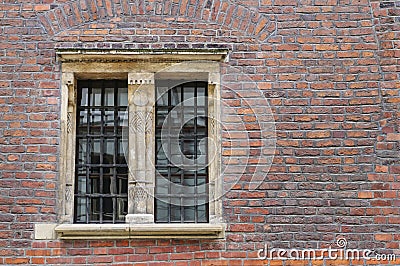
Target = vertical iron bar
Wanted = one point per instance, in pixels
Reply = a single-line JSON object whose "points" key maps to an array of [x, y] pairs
{"points": [[195, 152], [89, 156], [169, 157], [102, 140], [182, 145]]}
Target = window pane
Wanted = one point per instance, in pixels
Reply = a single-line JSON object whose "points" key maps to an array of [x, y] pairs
{"points": [[80, 209], [95, 97], [175, 209], [122, 97], [95, 209], [109, 97], [82, 152], [84, 96], [108, 206], [162, 210], [108, 152], [189, 96], [162, 185], [189, 209], [109, 121]]}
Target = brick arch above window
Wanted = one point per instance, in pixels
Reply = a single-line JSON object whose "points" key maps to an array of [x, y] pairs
{"points": [[226, 14]]}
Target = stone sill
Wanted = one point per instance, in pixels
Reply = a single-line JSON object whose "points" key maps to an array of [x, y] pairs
{"points": [[128, 231]]}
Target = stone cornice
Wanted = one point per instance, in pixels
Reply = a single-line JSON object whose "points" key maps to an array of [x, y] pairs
{"points": [[133, 55]]}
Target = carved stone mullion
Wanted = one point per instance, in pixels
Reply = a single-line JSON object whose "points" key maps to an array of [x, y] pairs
{"points": [[68, 160], [215, 188], [211, 149], [141, 94], [132, 151]]}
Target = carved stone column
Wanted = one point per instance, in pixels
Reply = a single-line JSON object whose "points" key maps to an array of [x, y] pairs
{"points": [[68, 144], [214, 145], [141, 148]]}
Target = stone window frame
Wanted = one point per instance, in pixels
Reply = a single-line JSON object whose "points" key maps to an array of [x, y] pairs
{"points": [[139, 68]]}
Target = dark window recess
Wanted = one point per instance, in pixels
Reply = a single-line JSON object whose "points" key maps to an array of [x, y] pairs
{"points": [[101, 172], [181, 194]]}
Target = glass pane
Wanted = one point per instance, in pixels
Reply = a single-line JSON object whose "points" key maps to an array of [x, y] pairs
{"points": [[161, 156], [108, 207], [188, 184], [175, 152], [109, 97], [94, 183], [162, 185], [81, 186], [109, 122], [162, 211], [122, 122], [176, 187], [122, 184], [122, 97], [201, 94], [189, 209], [201, 111], [188, 148], [94, 209], [80, 209], [201, 150], [83, 119], [161, 116], [95, 97], [201, 121], [175, 209], [122, 208], [176, 95], [82, 152], [188, 118], [95, 122], [108, 185], [162, 96], [84, 97], [95, 151], [202, 211], [122, 150], [108, 151], [188, 96], [201, 184]]}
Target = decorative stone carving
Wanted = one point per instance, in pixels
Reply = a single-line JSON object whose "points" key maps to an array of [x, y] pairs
{"points": [[139, 199], [140, 98], [141, 78], [69, 122], [141, 122], [68, 193]]}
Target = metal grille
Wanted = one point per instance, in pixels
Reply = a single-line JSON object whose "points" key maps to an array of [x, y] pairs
{"points": [[181, 153], [101, 172]]}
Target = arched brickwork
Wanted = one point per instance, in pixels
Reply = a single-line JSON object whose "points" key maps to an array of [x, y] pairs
{"points": [[224, 13]]}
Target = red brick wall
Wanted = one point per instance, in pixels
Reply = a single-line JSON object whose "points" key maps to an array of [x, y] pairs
{"points": [[330, 72]]}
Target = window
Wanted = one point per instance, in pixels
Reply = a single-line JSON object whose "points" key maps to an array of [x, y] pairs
{"points": [[101, 171], [181, 193], [135, 153]]}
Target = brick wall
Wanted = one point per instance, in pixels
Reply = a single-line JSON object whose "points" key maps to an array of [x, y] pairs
{"points": [[328, 68]]}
